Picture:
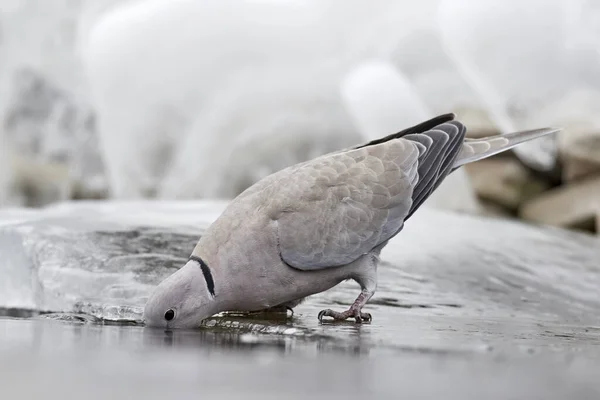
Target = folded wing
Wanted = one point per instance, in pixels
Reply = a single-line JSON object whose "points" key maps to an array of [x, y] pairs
{"points": [[334, 209]]}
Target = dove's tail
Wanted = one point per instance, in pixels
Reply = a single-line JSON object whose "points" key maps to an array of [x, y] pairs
{"points": [[477, 149]]}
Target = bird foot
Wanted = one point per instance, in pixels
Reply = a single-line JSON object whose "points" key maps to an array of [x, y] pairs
{"points": [[355, 313]]}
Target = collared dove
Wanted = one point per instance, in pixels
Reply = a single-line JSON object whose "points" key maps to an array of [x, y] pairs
{"points": [[308, 227]]}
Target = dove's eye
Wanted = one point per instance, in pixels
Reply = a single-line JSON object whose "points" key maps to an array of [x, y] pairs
{"points": [[169, 315]]}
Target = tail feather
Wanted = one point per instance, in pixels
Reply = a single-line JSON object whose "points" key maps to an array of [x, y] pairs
{"points": [[477, 149]]}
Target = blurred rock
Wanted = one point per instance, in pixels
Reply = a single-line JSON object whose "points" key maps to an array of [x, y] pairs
{"points": [[503, 181], [40, 183], [8, 195], [478, 122], [576, 169], [580, 152], [491, 209], [578, 145], [44, 110], [573, 206], [95, 188], [29, 182], [54, 135]]}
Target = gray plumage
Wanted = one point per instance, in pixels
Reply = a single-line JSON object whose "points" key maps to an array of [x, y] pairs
{"points": [[306, 228]]}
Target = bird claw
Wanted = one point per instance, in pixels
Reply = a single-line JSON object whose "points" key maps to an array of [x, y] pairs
{"points": [[358, 315], [366, 317]]}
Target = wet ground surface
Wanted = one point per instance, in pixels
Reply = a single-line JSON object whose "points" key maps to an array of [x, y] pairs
{"points": [[465, 308], [416, 357]]}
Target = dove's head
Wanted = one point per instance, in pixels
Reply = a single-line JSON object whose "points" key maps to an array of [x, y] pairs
{"points": [[183, 299]]}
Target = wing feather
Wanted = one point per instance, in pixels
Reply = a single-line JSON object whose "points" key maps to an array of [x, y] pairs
{"points": [[330, 211]]}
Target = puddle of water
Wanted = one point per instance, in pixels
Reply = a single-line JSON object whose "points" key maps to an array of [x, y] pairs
{"points": [[91, 361]]}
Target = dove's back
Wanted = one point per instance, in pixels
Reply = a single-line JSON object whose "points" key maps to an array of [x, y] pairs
{"points": [[332, 210]]}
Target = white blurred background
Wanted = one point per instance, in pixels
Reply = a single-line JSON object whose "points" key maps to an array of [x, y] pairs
{"points": [[193, 99]]}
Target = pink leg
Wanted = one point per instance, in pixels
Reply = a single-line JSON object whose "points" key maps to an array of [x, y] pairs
{"points": [[368, 283], [355, 310]]}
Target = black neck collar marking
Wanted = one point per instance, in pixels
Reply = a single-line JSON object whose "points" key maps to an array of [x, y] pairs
{"points": [[210, 283]]}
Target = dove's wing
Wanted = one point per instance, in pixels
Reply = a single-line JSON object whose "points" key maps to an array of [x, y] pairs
{"points": [[332, 210]]}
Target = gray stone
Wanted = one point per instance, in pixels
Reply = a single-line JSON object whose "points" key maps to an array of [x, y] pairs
{"points": [[49, 131], [578, 145], [580, 151], [478, 122], [575, 169], [574, 205], [503, 181]]}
